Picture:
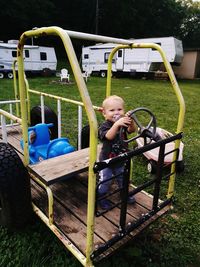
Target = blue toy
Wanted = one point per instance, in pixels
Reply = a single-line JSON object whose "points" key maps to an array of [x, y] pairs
{"points": [[40, 145]]}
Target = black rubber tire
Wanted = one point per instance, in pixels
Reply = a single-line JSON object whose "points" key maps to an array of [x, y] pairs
{"points": [[85, 137], [46, 72], [180, 166], [15, 191], [103, 73], [10, 75], [152, 166], [50, 117]]}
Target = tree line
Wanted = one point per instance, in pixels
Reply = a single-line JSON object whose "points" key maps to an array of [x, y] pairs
{"points": [[117, 18]]}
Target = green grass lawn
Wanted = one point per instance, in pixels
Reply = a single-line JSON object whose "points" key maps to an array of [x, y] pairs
{"points": [[174, 240]]}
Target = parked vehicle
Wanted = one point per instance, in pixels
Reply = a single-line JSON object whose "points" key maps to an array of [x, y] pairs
{"points": [[131, 61], [37, 59]]}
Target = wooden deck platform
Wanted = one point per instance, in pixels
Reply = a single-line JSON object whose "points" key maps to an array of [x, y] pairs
{"points": [[70, 213], [70, 200], [62, 167]]}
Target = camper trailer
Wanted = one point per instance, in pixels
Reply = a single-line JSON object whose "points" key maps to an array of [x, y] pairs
{"points": [[131, 61], [37, 59]]}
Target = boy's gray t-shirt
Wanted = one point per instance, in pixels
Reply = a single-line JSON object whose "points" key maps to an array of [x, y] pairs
{"points": [[110, 148]]}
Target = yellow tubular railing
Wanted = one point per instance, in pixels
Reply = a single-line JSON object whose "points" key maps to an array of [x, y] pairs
{"points": [[62, 99], [16, 92], [89, 111], [28, 100], [176, 90]]}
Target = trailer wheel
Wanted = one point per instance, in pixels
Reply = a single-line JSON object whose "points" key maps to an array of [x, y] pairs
{"points": [[15, 193], [10, 75], [1, 75], [180, 166], [152, 166], [103, 73], [46, 72], [50, 117]]}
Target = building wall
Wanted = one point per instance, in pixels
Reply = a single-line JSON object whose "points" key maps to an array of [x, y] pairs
{"points": [[197, 73], [190, 66]]}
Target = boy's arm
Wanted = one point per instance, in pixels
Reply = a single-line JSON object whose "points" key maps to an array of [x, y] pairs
{"points": [[111, 133], [122, 122]]}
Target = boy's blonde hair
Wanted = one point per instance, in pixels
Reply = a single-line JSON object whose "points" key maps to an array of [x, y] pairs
{"points": [[108, 99]]}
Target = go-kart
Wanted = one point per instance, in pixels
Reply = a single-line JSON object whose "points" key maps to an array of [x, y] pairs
{"points": [[150, 134], [68, 206]]}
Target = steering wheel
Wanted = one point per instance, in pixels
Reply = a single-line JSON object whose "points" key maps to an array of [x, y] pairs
{"points": [[147, 132]]}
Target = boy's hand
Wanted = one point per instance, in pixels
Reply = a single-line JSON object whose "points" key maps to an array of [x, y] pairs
{"points": [[132, 126], [128, 113], [123, 122]]}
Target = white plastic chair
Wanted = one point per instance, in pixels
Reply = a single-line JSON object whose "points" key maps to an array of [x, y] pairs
{"points": [[86, 75], [64, 75]]}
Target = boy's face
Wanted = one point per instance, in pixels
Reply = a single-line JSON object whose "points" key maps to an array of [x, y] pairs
{"points": [[113, 110]]}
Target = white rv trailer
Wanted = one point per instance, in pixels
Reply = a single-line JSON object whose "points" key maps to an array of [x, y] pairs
{"points": [[138, 60], [37, 59]]}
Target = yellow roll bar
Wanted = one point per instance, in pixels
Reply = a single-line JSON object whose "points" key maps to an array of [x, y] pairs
{"points": [[16, 92], [89, 111], [175, 87]]}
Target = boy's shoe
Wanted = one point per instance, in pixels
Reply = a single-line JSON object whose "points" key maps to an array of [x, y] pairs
{"points": [[131, 200], [105, 204]]}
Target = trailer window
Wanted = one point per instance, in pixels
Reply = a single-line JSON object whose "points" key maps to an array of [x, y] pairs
{"points": [[106, 56], [86, 56], [120, 53], [154, 48], [43, 56], [26, 53], [14, 53]]}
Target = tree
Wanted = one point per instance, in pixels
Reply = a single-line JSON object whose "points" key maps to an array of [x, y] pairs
{"points": [[190, 28], [138, 19], [19, 16], [124, 19]]}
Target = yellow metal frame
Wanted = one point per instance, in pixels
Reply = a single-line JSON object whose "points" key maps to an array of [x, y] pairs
{"points": [[86, 102], [16, 92], [90, 114], [10, 116], [175, 87]]}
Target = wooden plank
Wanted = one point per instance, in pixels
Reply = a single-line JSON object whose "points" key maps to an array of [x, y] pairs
{"points": [[74, 197], [65, 166], [14, 130], [134, 212], [74, 229], [15, 144], [70, 211], [143, 200], [79, 188], [51, 170], [103, 227], [126, 239], [14, 135]]}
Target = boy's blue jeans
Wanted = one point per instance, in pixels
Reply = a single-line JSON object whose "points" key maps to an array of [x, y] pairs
{"points": [[105, 176]]}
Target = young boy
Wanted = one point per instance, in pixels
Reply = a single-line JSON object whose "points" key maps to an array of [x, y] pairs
{"points": [[115, 118]]}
